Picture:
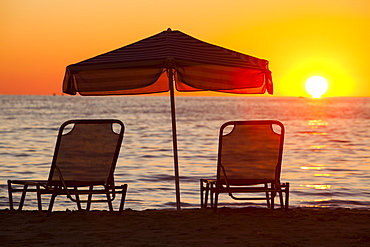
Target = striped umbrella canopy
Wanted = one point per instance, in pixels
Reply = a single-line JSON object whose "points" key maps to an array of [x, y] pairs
{"points": [[160, 62]]}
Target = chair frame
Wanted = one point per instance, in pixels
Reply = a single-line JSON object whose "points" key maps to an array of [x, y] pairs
{"points": [[213, 187], [72, 189]]}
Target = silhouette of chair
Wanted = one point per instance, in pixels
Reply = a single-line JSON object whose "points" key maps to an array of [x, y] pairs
{"points": [[84, 161], [249, 161]]}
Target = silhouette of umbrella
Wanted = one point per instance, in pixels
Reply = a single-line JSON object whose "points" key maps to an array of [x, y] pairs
{"points": [[159, 62]]}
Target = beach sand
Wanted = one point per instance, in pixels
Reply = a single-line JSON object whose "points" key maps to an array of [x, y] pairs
{"points": [[190, 227]]}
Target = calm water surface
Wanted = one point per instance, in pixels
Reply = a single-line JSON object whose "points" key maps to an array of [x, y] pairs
{"points": [[326, 157]]}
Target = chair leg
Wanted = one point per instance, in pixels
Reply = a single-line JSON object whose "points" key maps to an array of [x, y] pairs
{"points": [[123, 198], [286, 196], [215, 203], [109, 202], [201, 193], [21, 202], [39, 203], [52, 199], [203, 201], [89, 197], [205, 190], [268, 199], [10, 193], [78, 202], [267, 196], [211, 194], [281, 199]]}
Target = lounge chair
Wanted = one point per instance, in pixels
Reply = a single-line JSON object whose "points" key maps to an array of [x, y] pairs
{"points": [[249, 161], [84, 161]]}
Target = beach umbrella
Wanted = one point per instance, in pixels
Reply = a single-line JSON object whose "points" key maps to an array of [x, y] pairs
{"points": [[163, 62]]}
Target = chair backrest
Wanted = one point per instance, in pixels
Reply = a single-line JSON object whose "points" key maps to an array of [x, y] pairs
{"points": [[86, 152], [250, 152]]}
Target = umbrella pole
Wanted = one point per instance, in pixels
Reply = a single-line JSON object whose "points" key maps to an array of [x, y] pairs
{"points": [[174, 139]]}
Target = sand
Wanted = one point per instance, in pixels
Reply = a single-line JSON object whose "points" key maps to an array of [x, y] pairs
{"points": [[190, 227]]}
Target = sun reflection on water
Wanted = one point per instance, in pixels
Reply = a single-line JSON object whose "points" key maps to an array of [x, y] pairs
{"points": [[322, 175], [317, 186], [315, 124], [317, 201], [312, 167], [317, 133], [317, 146]]}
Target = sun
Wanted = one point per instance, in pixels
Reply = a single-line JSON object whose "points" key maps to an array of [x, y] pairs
{"points": [[316, 86]]}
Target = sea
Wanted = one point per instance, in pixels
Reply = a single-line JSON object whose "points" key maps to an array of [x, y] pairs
{"points": [[326, 152]]}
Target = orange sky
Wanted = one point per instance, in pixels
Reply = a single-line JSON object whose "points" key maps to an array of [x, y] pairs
{"points": [[39, 38]]}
